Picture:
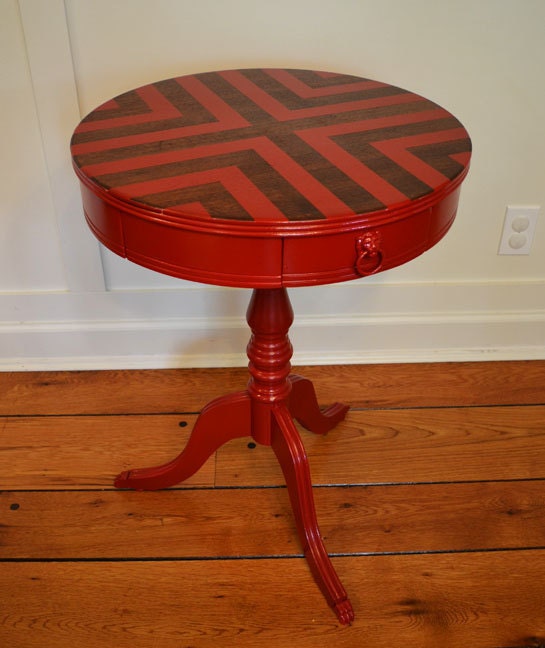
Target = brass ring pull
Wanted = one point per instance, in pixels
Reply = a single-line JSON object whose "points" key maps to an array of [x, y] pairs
{"points": [[369, 259]]}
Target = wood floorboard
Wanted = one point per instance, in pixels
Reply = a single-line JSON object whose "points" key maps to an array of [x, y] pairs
{"points": [[370, 446], [200, 523], [89, 451], [430, 498], [447, 600], [188, 390], [404, 446]]}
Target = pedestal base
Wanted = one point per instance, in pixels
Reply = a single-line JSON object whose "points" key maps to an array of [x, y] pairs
{"points": [[264, 412]]}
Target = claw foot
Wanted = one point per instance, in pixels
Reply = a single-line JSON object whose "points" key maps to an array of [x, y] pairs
{"points": [[132, 479], [344, 612], [121, 481]]}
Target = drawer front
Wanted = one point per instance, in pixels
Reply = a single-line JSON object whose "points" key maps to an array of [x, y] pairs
{"points": [[269, 261], [201, 256], [331, 258]]}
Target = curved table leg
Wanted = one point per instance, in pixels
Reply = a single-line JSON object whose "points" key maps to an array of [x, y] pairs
{"points": [[220, 421], [289, 450], [303, 406]]}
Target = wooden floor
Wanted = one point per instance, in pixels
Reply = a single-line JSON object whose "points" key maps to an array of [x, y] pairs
{"points": [[430, 496]]}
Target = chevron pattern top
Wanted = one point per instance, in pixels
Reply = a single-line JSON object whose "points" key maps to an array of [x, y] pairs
{"points": [[270, 145]]}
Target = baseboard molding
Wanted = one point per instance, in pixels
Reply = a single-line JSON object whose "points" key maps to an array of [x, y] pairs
{"points": [[205, 327]]}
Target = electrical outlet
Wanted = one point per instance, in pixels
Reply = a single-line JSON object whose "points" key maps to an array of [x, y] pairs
{"points": [[518, 229]]}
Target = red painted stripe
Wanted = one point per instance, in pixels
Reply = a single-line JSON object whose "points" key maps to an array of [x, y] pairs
{"points": [[397, 150], [158, 159], [326, 202], [147, 138], [360, 173], [212, 102], [194, 209], [155, 159], [160, 108], [306, 92], [320, 140], [281, 113], [364, 125], [327, 75], [313, 190], [227, 119], [235, 182], [109, 105], [180, 155], [461, 158]]}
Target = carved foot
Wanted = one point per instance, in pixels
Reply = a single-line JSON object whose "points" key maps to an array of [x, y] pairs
{"points": [[220, 421], [303, 406], [289, 450], [344, 612]]}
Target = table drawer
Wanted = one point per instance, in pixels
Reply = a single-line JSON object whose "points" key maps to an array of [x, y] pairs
{"points": [[203, 256], [329, 258]]}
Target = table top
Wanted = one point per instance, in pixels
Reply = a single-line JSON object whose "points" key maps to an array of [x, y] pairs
{"points": [[267, 154]]}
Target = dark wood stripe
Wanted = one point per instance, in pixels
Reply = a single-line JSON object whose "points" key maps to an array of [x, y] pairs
{"points": [[192, 113], [214, 197], [292, 101], [354, 195], [438, 156], [129, 103], [125, 131], [273, 129], [357, 144], [326, 145], [263, 175], [192, 110], [314, 79]]}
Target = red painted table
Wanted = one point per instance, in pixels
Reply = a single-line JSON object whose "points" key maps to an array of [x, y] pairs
{"points": [[266, 179]]}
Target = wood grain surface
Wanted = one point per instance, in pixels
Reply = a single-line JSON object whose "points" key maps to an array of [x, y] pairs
{"points": [[430, 498], [187, 390]]}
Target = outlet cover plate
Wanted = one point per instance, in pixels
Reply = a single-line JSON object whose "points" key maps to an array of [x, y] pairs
{"points": [[518, 229]]}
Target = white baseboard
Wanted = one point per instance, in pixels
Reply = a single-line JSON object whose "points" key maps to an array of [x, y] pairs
{"points": [[205, 326]]}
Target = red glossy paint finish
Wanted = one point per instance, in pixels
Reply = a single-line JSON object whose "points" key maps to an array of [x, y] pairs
{"points": [[268, 179], [264, 412], [104, 220], [202, 256], [251, 155]]}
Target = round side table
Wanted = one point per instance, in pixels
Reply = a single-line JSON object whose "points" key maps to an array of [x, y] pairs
{"points": [[266, 179]]}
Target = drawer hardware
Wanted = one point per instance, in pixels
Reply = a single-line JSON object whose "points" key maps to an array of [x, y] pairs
{"points": [[369, 259]]}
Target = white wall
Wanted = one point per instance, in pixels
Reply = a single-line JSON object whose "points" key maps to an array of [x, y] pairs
{"points": [[28, 228], [66, 303]]}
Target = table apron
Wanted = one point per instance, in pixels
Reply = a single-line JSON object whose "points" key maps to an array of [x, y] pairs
{"points": [[268, 261]]}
